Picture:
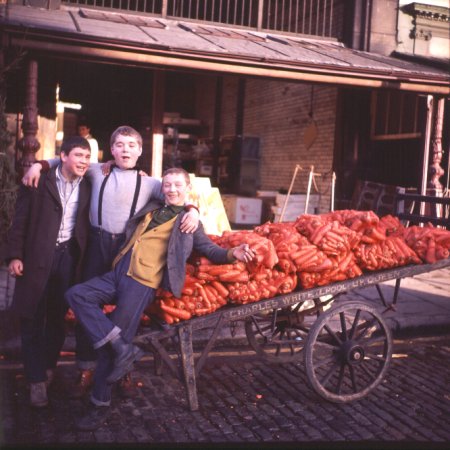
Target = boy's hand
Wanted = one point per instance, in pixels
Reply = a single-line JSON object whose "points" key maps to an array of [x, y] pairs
{"points": [[143, 174], [15, 268], [243, 253], [31, 177], [106, 167], [189, 223]]}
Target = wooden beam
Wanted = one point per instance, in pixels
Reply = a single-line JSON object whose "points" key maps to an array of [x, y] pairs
{"points": [[28, 144], [158, 105], [241, 67]]}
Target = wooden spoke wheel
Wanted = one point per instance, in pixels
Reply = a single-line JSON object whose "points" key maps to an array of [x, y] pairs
{"points": [[278, 335], [347, 352]]}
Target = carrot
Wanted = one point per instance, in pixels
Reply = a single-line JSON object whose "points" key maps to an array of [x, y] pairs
{"points": [[218, 269], [168, 302], [176, 312], [221, 301], [205, 276], [376, 234], [211, 289], [202, 311], [430, 256], [221, 289], [342, 265], [333, 236], [320, 233], [206, 299], [234, 275]]}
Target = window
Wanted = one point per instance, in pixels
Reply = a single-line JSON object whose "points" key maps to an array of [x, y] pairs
{"points": [[394, 115]]}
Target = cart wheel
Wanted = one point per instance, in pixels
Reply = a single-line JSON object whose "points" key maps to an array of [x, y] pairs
{"points": [[278, 335], [347, 352]]}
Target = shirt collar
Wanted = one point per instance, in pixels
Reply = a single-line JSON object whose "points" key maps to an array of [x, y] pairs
{"points": [[62, 178]]}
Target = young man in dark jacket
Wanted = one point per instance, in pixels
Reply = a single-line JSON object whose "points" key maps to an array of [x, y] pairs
{"points": [[46, 243], [154, 255]]}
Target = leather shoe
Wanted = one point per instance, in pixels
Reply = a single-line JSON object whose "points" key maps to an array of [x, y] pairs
{"points": [[126, 388], [38, 394], [84, 384], [126, 355], [94, 418]]}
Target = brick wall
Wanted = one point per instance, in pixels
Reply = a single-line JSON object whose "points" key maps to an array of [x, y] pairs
{"points": [[278, 113]]}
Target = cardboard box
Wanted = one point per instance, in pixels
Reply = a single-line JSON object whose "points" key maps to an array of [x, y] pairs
{"points": [[296, 204], [242, 210]]}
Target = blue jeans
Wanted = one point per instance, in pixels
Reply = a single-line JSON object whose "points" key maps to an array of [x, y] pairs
{"points": [[86, 301], [101, 250], [43, 336]]}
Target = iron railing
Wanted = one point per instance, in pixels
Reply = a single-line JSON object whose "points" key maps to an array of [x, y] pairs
{"points": [[306, 17]]}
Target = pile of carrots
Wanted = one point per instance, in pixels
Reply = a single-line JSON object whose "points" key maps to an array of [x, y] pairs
{"points": [[315, 250]]}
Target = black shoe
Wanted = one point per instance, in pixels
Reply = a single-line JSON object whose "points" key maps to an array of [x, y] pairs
{"points": [[94, 418], [126, 355]]}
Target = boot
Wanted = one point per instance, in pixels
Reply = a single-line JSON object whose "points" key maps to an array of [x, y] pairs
{"points": [[125, 355], [84, 384], [126, 387]]}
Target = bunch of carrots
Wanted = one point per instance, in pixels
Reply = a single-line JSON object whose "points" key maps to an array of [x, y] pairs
{"points": [[315, 250], [430, 243]]}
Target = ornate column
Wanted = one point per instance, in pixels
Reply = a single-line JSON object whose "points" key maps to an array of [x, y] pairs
{"points": [[28, 144], [435, 170]]}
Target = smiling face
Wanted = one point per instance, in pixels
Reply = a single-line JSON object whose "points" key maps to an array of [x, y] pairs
{"points": [[75, 163], [175, 188], [126, 151]]}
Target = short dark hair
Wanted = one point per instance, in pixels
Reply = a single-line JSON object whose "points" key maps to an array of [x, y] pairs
{"points": [[74, 141], [126, 130], [83, 122], [178, 170]]}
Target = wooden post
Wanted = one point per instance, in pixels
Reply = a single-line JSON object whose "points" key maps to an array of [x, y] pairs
{"points": [[157, 122], [28, 144], [426, 151], [217, 128], [164, 9], [187, 359]]}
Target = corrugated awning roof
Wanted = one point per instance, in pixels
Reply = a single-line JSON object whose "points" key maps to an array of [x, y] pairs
{"points": [[148, 40]]}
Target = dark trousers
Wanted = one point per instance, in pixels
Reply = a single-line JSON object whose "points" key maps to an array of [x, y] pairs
{"points": [[101, 251], [86, 301], [43, 335]]}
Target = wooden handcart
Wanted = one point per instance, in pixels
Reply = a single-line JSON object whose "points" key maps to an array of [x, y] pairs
{"points": [[346, 348]]}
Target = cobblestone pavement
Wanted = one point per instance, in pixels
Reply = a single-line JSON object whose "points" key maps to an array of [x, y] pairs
{"points": [[245, 402]]}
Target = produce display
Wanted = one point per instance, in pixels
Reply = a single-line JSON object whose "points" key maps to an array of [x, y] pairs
{"points": [[315, 250]]}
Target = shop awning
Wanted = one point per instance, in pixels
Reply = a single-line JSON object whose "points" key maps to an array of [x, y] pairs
{"points": [[149, 41]]}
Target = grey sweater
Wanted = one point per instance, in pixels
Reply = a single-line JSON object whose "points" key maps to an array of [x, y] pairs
{"points": [[117, 195]]}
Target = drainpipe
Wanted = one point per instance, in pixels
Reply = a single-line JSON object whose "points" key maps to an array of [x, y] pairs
{"points": [[366, 26]]}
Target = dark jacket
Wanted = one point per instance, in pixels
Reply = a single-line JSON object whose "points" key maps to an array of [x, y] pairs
{"points": [[180, 248], [33, 235]]}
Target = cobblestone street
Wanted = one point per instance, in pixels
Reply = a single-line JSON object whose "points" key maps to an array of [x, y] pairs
{"points": [[245, 401]]}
